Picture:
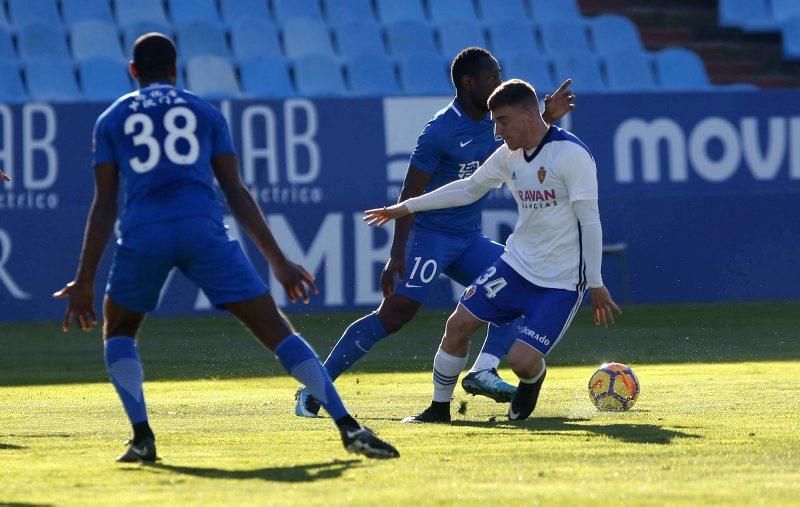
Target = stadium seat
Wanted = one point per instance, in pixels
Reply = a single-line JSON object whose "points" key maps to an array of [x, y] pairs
{"points": [[212, 76], [407, 38], [235, 10], [306, 37], [319, 76], [38, 40], [457, 35], [133, 31], [531, 68], [784, 10], [51, 79], [103, 79], [392, 11], [630, 71], [358, 38], [201, 38], [584, 71], [681, 69], [372, 75], [24, 12], [752, 15], [7, 51], [497, 11], [791, 39], [346, 11], [445, 11], [4, 23], [91, 39], [184, 12], [129, 12], [509, 37], [11, 88], [612, 33], [424, 75], [75, 11], [546, 11], [253, 38], [287, 9], [267, 76], [565, 37]]}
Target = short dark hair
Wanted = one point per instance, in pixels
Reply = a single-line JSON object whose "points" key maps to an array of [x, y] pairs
{"points": [[512, 93], [467, 63], [153, 55]]}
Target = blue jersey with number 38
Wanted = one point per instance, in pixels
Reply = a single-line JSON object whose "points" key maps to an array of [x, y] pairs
{"points": [[162, 140]]}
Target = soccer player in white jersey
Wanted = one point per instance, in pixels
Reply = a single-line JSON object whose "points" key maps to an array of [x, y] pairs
{"points": [[552, 257]]}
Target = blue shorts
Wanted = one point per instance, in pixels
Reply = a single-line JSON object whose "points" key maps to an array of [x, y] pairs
{"points": [[501, 295], [199, 247], [460, 257]]}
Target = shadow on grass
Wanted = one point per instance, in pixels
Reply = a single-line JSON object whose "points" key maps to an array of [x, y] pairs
{"points": [[10, 447], [631, 433], [24, 504], [294, 473]]}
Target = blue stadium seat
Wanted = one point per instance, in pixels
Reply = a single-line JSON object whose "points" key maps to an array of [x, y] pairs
{"points": [[7, 51], [129, 12], [546, 11], [681, 69], [358, 38], [509, 37], [784, 10], [319, 76], [75, 11], [612, 33], [531, 68], [4, 23], [791, 39], [212, 76], [306, 37], [267, 76], [752, 15], [235, 10], [133, 31], [408, 38], [37, 40], [254, 38], [346, 11], [496, 11], [11, 88], [424, 75], [287, 9], [565, 37], [25, 12], [392, 11], [201, 38], [184, 12], [445, 11], [51, 79], [372, 75], [630, 71], [584, 71], [91, 39], [103, 79], [457, 35]]}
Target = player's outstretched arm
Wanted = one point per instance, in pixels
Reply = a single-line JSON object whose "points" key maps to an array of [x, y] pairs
{"points": [[561, 102], [4, 176], [99, 227], [295, 280]]}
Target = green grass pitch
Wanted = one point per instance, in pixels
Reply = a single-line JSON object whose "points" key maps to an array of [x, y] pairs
{"points": [[716, 423]]}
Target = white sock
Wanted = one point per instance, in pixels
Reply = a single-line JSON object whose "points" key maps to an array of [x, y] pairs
{"points": [[485, 362], [445, 374]]}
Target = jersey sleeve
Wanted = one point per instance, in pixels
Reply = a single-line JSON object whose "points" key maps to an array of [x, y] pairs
{"points": [[579, 173], [428, 152], [494, 171], [221, 136], [102, 147]]}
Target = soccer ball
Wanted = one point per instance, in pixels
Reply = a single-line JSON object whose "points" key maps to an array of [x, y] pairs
{"points": [[613, 387]]}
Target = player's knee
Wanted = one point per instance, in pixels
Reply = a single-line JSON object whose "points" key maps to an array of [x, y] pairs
{"points": [[396, 313]]}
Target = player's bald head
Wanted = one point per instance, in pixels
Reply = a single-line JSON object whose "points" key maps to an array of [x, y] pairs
{"points": [[154, 56], [514, 92]]}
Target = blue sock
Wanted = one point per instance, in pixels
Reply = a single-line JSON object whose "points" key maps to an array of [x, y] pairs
{"points": [[500, 339], [299, 359], [125, 371], [356, 341]]}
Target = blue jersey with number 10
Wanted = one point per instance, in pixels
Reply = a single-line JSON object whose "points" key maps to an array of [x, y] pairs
{"points": [[162, 141]]}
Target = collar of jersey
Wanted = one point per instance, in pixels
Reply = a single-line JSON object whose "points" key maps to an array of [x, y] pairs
{"points": [[157, 84], [458, 108], [545, 140]]}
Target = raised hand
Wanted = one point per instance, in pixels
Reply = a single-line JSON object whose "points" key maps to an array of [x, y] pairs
{"points": [[559, 103]]}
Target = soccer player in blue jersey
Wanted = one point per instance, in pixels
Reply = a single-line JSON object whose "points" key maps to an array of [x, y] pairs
{"points": [[452, 145], [167, 146]]}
